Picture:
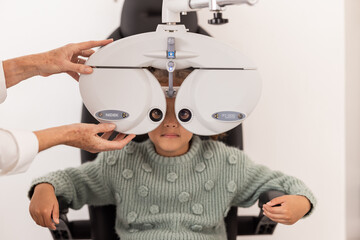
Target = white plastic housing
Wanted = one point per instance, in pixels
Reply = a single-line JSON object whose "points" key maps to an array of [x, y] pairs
{"points": [[149, 49], [134, 91], [206, 92], [118, 83]]}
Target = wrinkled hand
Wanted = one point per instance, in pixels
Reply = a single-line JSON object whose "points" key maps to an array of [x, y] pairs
{"points": [[44, 207], [85, 136], [68, 59], [291, 209]]}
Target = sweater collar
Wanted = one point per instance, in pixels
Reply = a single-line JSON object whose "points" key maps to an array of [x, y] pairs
{"points": [[193, 150]]}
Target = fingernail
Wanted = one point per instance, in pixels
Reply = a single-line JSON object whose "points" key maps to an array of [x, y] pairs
{"points": [[88, 70], [268, 203]]}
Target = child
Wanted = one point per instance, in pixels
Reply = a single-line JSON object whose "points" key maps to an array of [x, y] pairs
{"points": [[172, 186]]}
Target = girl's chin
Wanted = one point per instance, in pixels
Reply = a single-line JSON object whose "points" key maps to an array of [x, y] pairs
{"points": [[170, 136]]}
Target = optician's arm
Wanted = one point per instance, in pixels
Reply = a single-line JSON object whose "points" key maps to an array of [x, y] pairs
{"points": [[18, 149], [68, 59]]}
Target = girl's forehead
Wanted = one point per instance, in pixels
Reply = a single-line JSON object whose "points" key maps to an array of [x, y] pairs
{"points": [[176, 82], [163, 76]]}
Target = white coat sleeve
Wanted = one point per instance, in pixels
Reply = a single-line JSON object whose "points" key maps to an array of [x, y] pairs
{"points": [[17, 151], [3, 90]]}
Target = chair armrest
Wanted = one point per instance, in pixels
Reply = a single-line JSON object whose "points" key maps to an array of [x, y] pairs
{"points": [[70, 230], [63, 205], [260, 225], [268, 196], [266, 225]]}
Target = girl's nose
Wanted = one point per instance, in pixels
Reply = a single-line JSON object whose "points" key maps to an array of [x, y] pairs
{"points": [[170, 124], [170, 120]]}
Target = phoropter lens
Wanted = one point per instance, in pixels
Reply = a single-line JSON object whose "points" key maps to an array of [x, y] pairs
{"points": [[184, 115], [156, 115]]}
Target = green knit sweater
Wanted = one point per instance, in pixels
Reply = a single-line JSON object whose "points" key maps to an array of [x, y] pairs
{"points": [[184, 197]]}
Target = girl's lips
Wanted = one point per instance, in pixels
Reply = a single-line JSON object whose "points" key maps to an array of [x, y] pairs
{"points": [[169, 135]]}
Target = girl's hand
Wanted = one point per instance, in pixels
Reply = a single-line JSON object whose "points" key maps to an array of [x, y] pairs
{"points": [[44, 207], [291, 209]]}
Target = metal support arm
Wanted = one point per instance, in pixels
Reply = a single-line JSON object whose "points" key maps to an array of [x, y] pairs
{"points": [[172, 8]]}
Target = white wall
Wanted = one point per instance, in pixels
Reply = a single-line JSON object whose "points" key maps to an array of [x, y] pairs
{"points": [[298, 126], [35, 26], [352, 10]]}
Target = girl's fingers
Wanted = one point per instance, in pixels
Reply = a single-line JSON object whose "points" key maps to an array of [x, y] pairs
{"points": [[279, 220], [48, 221], [276, 201], [33, 216], [273, 216], [52, 226], [41, 221], [55, 213], [274, 210], [36, 219]]}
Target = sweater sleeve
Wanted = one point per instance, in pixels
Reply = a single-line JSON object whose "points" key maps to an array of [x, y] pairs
{"points": [[255, 179], [79, 186]]}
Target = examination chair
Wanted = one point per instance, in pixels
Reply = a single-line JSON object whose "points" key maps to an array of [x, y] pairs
{"points": [[139, 16]]}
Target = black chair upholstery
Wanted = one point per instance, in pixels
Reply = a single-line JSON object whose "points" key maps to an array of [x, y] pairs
{"points": [[139, 16]]}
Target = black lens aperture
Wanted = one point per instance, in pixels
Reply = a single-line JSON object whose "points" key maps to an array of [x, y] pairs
{"points": [[156, 115], [185, 115]]}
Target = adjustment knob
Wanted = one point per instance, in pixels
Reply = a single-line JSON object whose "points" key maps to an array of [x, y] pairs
{"points": [[218, 19]]}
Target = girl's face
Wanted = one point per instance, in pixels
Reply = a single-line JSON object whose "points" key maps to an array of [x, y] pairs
{"points": [[170, 138]]}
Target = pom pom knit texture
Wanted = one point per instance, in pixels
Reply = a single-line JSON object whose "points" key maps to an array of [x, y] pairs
{"points": [[184, 197]]}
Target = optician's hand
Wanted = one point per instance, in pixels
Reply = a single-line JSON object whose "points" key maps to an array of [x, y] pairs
{"points": [[67, 59], [291, 209], [44, 207], [84, 136]]}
